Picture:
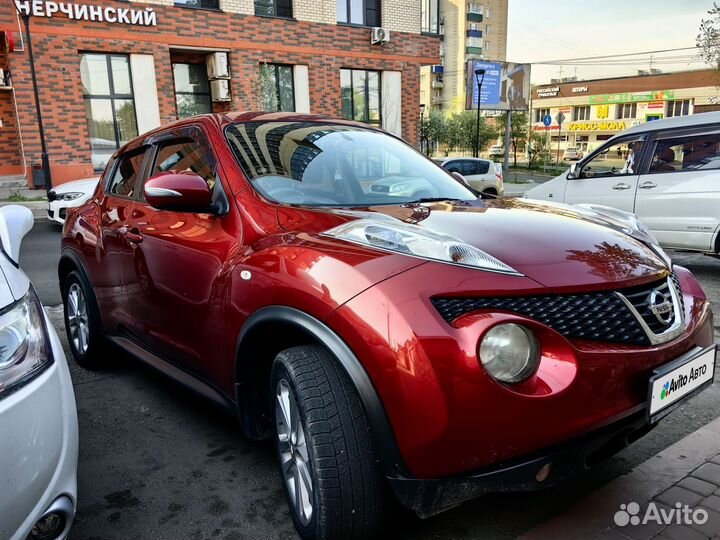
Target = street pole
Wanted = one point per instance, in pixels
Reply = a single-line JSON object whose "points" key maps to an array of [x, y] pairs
{"points": [[422, 129], [559, 137], [44, 155], [508, 127], [479, 78]]}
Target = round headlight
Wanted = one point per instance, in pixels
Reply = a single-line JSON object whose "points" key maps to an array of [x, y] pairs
{"points": [[510, 353]]}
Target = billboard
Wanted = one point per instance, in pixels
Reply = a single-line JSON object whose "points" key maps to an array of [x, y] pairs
{"points": [[506, 86]]}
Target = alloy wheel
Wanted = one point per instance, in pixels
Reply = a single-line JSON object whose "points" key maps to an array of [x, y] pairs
{"points": [[293, 450], [78, 322]]}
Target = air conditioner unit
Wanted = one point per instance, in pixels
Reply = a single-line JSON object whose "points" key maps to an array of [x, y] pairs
{"points": [[220, 90], [217, 66], [379, 35]]}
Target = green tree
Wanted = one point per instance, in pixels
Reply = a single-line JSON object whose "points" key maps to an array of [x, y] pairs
{"points": [[538, 150], [461, 132], [518, 133], [708, 39], [433, 129]]}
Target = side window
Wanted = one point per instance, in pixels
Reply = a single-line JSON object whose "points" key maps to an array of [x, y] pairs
{"points": [[481, 167], [467, 168], [454, 166], [618, 159], [186, 154], [690, 153], [124, 177]]}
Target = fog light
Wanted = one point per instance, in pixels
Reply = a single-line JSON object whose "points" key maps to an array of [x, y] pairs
{"points": [[544, 472], [48, 527], [510, 353]]}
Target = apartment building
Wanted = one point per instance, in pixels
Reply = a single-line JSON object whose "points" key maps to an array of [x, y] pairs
{"points": [[470, 30], [108, 70]]}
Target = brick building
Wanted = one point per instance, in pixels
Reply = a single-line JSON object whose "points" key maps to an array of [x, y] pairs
{"points": [[108, 70]]}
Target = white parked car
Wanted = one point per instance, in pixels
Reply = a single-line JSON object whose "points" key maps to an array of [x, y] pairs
{"points": [[571, 154], [69, 195], [38, 419], [496, 150], [482, 175], [667, 172]]}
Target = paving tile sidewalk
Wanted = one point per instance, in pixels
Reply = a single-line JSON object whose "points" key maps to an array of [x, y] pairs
{"points": [[686, 473]]}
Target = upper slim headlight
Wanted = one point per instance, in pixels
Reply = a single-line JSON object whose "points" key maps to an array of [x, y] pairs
{"points": [[510, 353], [24, 345], [70, 196], [419, 242]]}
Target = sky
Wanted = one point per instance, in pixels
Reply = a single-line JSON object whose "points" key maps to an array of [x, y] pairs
{"points": [[548, 30]]}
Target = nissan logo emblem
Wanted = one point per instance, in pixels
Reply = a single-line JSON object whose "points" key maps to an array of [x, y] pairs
{"points": [[661, 306]]}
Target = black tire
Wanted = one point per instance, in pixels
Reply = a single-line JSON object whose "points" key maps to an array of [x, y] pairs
{"points": [[492, 193], [348, 485], [95, 353]]}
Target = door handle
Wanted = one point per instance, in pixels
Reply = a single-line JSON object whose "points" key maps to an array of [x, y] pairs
{"points": [[133, 236], [647, 185], [621, 186]]}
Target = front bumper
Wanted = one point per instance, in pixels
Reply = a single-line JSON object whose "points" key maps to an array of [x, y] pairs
{"points": [[57, 210], [39, 448], [539, 470]]}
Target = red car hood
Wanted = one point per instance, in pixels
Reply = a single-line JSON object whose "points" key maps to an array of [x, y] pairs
{"points": [[557, 246]]}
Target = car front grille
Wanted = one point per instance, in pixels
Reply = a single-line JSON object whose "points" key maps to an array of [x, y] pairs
{"points": [[600, 316]]}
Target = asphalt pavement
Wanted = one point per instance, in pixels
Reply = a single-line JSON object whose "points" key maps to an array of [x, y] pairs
{"points": [[158, 462]]}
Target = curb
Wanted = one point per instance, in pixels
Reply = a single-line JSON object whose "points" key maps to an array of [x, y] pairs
{"points": [[593, 515], [38, 208]]}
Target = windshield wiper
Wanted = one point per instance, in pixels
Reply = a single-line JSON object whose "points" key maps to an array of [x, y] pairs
{"points": [[435, 199]]}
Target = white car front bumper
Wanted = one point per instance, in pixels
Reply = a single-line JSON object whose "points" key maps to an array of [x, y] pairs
{"points": [[57, 209], [38, 448]]}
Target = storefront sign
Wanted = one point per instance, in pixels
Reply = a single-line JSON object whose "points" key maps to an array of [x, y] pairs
{"points": [[548, 92], [713, 100], [608, 125], [632, 97], [84, 12], [578, 89], [545, 128], [656, 105]]}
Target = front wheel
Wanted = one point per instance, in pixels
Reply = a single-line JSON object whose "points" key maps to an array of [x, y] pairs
{"points": [[332, 480], [82, 322]]}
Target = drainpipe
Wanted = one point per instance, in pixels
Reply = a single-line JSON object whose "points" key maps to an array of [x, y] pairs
{"points": [[44, 155]]}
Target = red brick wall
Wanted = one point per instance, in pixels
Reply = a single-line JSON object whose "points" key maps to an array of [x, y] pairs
{"points": [[326, 49], [10, 155]]}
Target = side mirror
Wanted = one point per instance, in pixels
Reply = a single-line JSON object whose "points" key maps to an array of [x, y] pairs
{"points": [[183, 192], [15, 222], [460, 178], [573, 172]]}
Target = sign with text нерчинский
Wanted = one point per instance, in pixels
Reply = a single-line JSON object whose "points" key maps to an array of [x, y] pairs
{"points": [[84, 12]]}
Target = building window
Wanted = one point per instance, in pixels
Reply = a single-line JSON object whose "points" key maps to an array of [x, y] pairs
{"points": [[475, 8], [277, 87], [540, 114], [363, 12], [474, 42], [274, 8], [678, 108], [360, 95], [581, 113], [192, 90], [430, 16], [626, 110], [488, 29], [109, 104], [204, 4]]}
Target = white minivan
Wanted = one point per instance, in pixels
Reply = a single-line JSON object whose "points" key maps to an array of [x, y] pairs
{"points": [[667, 172]]}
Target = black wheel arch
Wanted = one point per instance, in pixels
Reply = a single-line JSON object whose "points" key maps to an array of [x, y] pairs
{"points": [[287, 327]]}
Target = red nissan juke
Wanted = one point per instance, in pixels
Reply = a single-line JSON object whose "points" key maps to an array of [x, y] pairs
{"points": [[344, 295]]}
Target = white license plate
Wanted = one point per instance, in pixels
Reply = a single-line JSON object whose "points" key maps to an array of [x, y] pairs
{"points": [[678, 380]]}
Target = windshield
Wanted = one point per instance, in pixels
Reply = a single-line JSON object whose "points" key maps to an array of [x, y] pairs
{"points": [[313, 164]]}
